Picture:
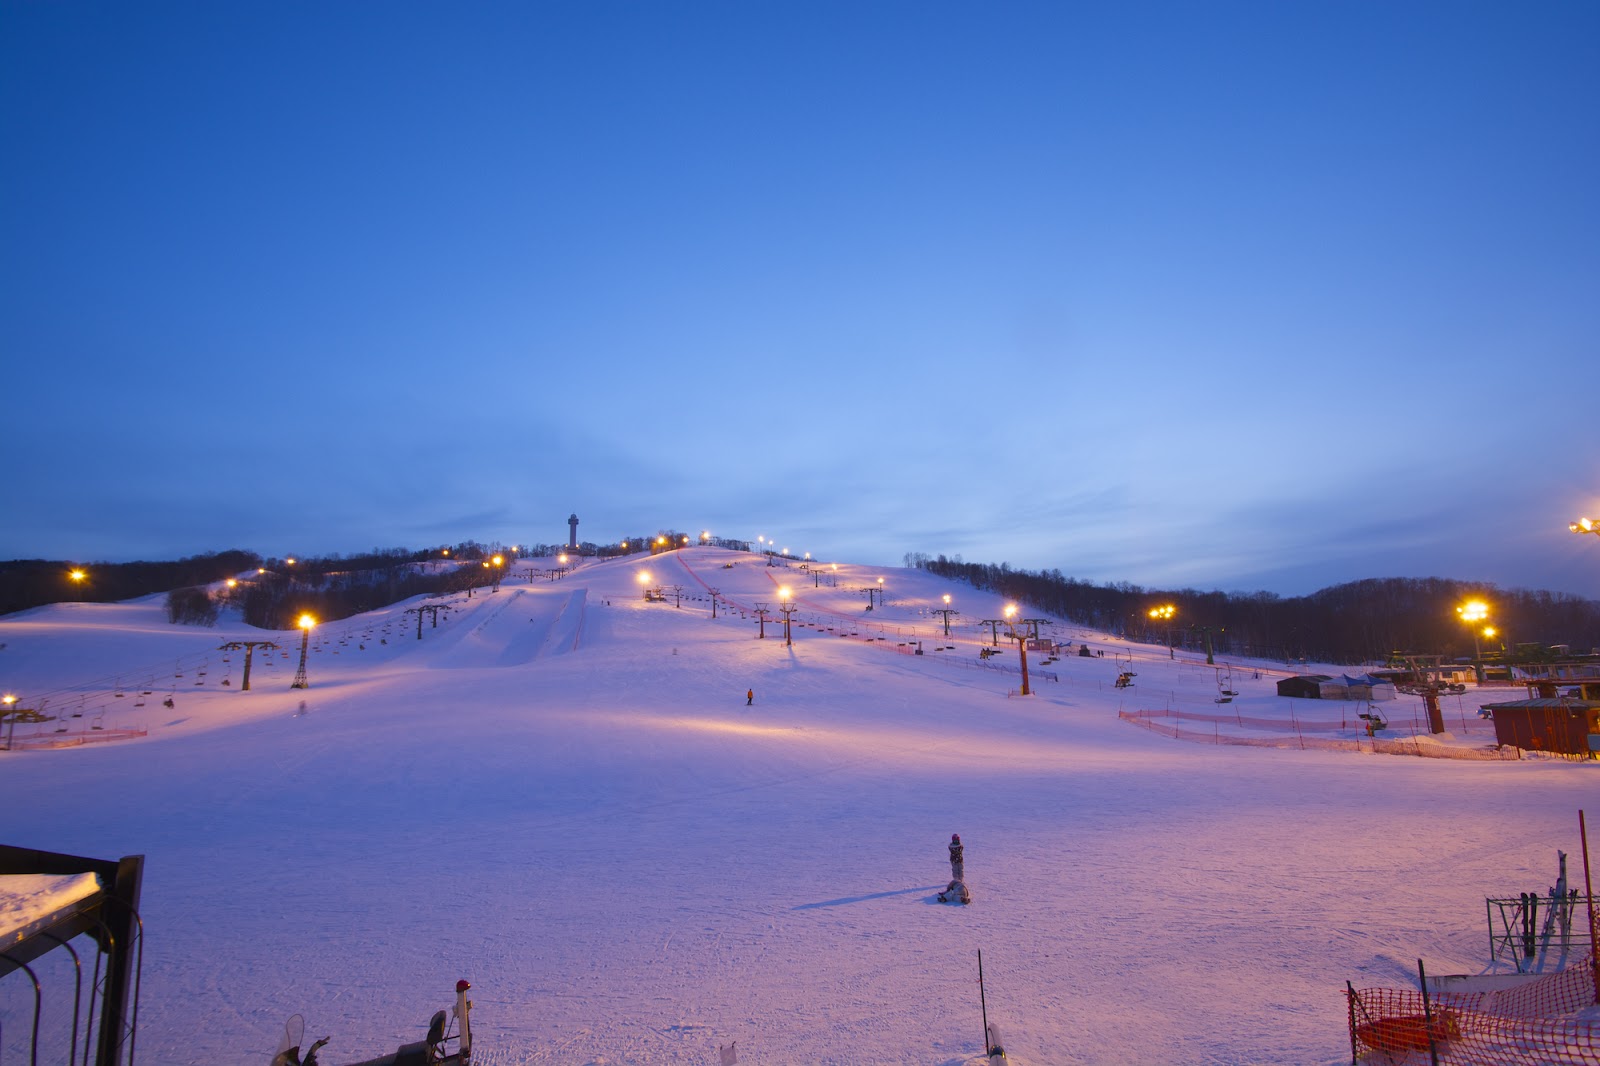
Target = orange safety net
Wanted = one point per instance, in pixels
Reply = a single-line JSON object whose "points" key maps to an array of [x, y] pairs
{"points": [[1553, 1021]]}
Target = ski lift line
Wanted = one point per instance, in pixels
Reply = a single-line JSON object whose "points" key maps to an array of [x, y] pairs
{"points": [[108, 682], [188, 662]]}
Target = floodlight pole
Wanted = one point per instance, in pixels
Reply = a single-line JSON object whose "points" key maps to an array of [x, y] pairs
{"points": [[300, 680], [11, 717], [1022, 652]]}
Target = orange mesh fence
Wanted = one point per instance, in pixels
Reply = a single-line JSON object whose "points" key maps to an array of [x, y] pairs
{"points": [[1549, 1022]]}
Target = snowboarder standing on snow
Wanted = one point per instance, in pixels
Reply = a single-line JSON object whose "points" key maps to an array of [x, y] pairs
{"points": [[957, 867], [749, 697]]}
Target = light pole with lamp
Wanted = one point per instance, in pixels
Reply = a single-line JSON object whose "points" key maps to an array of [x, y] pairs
{"points": [[788, 608], [1164, 613], [1489, 633], [1472, 612], [306, 623], [11, 722], [1022, 643]]}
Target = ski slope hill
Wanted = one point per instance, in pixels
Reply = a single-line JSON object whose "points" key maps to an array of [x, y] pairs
{"points": [[560, 794]]}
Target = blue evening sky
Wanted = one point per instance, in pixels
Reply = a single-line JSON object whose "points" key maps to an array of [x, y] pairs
{"points": [[1221, 295]]}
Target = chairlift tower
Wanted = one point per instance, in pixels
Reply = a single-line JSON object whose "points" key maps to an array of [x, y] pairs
{"points": [[762, 610], [249, 647], [946, 612], [1429, 686], [433, 610], [788, 608]]}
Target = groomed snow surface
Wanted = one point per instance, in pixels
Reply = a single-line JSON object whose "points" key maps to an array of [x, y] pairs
{"points": [[561, 795]]}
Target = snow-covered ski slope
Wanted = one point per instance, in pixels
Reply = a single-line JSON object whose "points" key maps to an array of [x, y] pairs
{"points": [[560, 794]]}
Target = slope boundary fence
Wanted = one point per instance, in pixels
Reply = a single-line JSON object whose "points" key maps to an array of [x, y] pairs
{"points": [[72, 739], [1169, 723]]}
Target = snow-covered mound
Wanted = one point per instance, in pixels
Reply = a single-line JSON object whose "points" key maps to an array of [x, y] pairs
{"points": [[560, 793]]}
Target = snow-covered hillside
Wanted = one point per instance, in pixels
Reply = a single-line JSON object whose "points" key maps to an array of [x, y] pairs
{"points": [[561, 795]]}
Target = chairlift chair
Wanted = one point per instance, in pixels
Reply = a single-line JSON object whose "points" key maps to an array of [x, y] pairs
{"points": [[1374, 719]]}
